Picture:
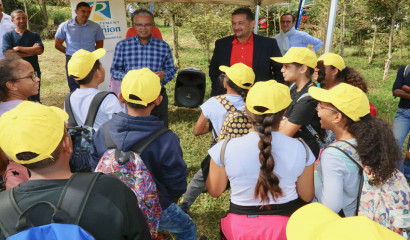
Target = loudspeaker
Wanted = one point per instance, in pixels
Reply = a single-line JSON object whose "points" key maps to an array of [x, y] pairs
{"points": [[189, 88]]}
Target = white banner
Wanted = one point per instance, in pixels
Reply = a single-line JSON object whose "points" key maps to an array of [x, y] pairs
{"points": [[111, 16]]}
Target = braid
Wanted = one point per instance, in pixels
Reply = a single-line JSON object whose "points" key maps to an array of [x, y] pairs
{"points": [[268, 182]]}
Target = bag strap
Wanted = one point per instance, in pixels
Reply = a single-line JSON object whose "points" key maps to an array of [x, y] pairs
{"points": [[71, 119], [306, 148], [228, 105], [359, 165], [10, 213], [75, 195], [222, 157], [140, 146], [94, 106], [109, 143]]}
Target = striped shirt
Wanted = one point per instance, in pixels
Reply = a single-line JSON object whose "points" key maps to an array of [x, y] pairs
{"points": [[131, 54]]}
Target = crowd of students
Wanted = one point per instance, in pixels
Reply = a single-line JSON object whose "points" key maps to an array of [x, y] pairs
{"points": [[272, 171]]}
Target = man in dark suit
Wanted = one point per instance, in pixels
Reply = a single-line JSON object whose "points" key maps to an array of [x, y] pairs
{"points": [[246, 47]]}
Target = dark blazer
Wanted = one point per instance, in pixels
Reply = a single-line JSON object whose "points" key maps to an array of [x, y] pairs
{"points": [[263, 49]]}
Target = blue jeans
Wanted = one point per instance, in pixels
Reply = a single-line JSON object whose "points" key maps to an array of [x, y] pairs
{"points": [[401, 127], [176, 221]]}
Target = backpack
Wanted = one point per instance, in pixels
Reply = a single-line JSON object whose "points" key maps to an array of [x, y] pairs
{"points": [[65, 217], [82, 136], [387, 204], [131, 169], [235, 124]]}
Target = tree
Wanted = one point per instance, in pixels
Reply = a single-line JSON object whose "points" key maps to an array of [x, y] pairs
{"points": [[387, 11], [210, 22]]}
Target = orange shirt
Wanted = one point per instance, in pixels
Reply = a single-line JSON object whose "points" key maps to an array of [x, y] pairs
{"points": [[155, 32], [242, 52]]}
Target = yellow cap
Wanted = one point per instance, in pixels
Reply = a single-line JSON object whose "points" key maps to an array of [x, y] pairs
{"points": [[332, 59], [32, 127], [350, 100], [317, 222], [140, 86], [240, 74], [300, 55], [269, 95], [82, 62]]}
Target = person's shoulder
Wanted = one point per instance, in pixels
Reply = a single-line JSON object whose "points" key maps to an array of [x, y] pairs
{"points": [[33, 33], [6, 16], [225, 39], [263, 38], [69, 21]]}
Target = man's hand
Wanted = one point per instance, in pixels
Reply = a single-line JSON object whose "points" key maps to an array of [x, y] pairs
{"points": [[160, 74]]}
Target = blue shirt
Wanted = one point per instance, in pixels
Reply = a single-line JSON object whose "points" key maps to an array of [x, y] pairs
{"points": [[79, 37], [300, 39], [28, 39], [131, 54]]}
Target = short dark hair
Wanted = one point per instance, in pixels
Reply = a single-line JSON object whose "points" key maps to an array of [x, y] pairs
{"points": [[137, 106], [15, 12], [8, 68], [82, 4], [244, 10], [141, 12], [289, 14], [90, 75]]}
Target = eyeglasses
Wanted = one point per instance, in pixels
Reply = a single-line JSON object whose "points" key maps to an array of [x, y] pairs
{"points": [[320, 106], [148, 25], [33, 77]]}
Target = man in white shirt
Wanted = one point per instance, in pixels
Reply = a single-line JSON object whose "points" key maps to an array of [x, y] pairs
{"points": [[6, 25]]}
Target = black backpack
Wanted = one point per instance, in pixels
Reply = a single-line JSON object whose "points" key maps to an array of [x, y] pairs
{"points": [[65, 216], [82, 136]]}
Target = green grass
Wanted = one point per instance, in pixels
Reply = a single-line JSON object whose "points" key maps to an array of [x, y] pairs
{"points": [[206, 211]]}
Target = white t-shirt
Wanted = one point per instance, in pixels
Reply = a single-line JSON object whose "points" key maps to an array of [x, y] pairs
{"points": [[80, 103], [337, 181], [215, 112], [242, 166]]}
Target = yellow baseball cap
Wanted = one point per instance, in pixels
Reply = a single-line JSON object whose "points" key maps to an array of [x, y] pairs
{"points": [[269, 95], [32, 127], [332, 59], [82, 62], [140, 86], [350, 100], [300, 55], [240, 74], [317, 222]]}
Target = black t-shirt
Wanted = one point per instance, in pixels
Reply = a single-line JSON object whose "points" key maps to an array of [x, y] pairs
{"points": [[400, 81], [302, 112], [111, 211]]}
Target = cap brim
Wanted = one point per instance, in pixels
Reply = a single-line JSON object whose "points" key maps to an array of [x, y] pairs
{"points": [[306, 222], [320, 94], [223, 68], [99, 53], [282, 60]]}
